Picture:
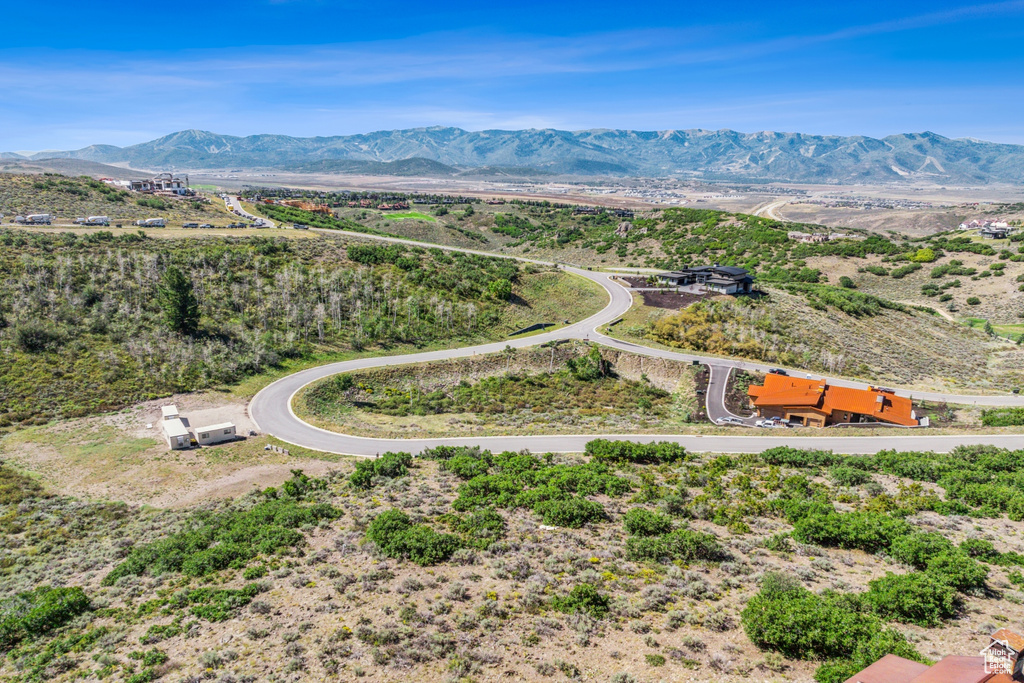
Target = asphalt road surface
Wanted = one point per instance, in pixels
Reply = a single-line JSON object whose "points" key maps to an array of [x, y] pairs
{"points": [[271, 408], [235, 205]]}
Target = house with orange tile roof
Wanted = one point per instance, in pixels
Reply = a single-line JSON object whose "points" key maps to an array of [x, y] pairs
{"points": [[816, 403]]}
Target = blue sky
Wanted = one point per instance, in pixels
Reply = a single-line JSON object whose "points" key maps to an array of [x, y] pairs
{"points": [[79, 73]]}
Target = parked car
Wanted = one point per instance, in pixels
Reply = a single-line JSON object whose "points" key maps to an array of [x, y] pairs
{"points": [[190, 225], [205, 225], [777, 371], [729, 421]]}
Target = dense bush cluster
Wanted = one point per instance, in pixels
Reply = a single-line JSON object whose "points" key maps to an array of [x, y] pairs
{"points": [[605, 450], [980, 480], [229, 539], [583, 597], [387, 466], [653, 537], [522, 480], [34, 613], [787, 618], [562, 390], [852, 303], [1003, 417], [396, 536]]}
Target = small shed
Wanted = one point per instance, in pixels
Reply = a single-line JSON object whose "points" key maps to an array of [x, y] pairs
{"points": [[178, 435], [215, 433], [170, 412]]}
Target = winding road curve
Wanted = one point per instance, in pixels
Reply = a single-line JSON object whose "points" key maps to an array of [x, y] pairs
{"points": [[271, 408]]}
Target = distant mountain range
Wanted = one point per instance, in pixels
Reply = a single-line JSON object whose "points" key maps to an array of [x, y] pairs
{"points": [[721, 154]]}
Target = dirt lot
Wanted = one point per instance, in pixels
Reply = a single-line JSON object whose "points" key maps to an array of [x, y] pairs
{"points": [[123, 456], [670, 300]]}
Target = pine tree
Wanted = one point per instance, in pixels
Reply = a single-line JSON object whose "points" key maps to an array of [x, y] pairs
{"points": [[178, 301]]}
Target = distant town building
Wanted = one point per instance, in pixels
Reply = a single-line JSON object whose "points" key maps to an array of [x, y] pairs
{"points": [[167, 183], [807, 237]]}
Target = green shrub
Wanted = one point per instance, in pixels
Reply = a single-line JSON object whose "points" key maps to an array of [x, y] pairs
{"points": [[957, 569], [787, 618], [798, 457], [848, 476], [924, 255], [914, 598], [465, 466], [641, 522], [629, 451], [584, 597], [868, 531], [387, 466], [481, 528], [682, 544], [973, 301], [779, 543], [397, 537], [903, 271], [980, 548], [572, 513], [229, 539], [589, 367], [34, 613], [917, 549], [847, 283], [216, 604], [153, 203], [1003, 417]]}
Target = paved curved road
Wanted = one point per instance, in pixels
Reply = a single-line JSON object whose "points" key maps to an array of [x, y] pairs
{"points": [[271, 408], [233, 204]]}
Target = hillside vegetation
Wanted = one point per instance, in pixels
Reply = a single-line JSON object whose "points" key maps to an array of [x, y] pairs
{"points": [[568, 388], [837, 334], [97, 321], [633, 562]]}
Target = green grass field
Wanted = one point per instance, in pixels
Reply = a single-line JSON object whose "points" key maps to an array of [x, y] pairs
{"points": [[1009, 331], [416, 215]]}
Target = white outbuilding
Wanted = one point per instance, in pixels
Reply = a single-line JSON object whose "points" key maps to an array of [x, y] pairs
{"points": [[217, 433], [170, 412], [178, 435]]}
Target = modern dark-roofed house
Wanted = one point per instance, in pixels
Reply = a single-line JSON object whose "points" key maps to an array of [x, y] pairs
{"points": [[716, 278]]}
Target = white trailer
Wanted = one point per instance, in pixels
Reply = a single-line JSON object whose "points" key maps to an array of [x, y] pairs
{"points": [[215, 433], [97, 220], [177, 434], [151, 222], [38, 219]]}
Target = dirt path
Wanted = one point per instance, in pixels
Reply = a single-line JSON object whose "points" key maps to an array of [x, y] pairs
{"points": [[944, 314]]}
